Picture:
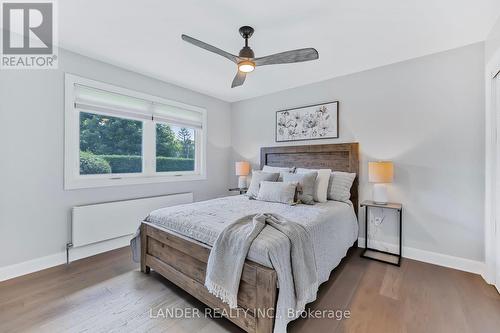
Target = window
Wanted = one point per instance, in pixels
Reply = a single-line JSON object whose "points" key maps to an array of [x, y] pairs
{"points": [[175, 148], [115, 136], [109, 145]]}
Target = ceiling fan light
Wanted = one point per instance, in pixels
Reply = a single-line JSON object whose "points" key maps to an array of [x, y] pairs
{"points": [[246, 66]]}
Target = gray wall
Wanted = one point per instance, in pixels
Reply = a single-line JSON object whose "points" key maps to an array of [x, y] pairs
{"points": [[492, 44], [34, 208], [426, 115]]}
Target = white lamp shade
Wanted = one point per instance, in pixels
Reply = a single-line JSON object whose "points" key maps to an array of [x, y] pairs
{"points": [[380, 172], [242, 168]]}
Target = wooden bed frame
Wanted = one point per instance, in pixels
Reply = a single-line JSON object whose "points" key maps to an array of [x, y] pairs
{"points": [[183, 261]]}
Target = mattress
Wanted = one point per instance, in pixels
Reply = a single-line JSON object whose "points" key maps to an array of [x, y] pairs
{"points": [[332, 225]]}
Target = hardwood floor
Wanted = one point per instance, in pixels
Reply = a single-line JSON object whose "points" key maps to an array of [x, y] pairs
{"points": [[107, 293]]}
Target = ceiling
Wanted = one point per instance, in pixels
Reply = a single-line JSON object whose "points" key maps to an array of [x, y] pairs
{"points": [[350, 36]]}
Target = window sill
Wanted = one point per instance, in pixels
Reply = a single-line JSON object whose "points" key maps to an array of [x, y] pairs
{"points": [[79, 183]]}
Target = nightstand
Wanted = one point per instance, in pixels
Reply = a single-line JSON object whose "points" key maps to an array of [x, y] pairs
{"points": [[379, 255], [237, 189]]}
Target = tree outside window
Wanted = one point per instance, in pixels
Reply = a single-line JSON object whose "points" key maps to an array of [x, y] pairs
{"points": [[114, 145]]}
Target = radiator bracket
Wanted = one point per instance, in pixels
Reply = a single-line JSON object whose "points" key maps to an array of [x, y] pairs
{"points": [[69, 245]]}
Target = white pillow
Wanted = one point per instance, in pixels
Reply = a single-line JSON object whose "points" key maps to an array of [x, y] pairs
{"points": [[280, 170], [283, 192], [321, 184], [339, 187]]}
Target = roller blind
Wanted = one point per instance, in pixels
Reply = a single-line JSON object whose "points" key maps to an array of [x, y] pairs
{"points": [[121, 105], [176, 115]]}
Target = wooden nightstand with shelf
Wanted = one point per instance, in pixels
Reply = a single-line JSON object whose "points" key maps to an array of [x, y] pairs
{"points": [[237, 189], [379, 255]]}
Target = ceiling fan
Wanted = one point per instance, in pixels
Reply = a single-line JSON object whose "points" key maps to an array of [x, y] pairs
{"points": [[246, 60]]}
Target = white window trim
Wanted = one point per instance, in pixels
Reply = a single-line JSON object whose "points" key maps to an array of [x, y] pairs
{"points": [[72, 177]]}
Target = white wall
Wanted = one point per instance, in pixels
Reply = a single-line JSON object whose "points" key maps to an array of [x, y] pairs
{"points": [[426, 115], [34, 208]]}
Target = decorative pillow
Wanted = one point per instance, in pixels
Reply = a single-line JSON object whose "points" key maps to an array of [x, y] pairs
{"points": [[321, 183], [283, 192], [281, 170], [257, 177], [339, 187], [305, 187]]}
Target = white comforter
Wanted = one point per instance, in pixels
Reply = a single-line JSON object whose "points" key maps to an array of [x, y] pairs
{"points": [[332, 225]]}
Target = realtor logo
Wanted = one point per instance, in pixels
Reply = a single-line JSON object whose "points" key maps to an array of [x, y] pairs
{"points": [[28, 35]]}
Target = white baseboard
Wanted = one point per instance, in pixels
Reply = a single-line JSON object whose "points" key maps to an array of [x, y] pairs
{"points": [[27, 267], [30, 266], [435, 258]]}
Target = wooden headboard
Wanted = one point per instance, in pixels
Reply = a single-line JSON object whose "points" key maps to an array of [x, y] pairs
{"points": [[338, 157]]}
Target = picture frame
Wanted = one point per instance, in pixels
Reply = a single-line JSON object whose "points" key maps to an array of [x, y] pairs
{"points": [[311, 122]]}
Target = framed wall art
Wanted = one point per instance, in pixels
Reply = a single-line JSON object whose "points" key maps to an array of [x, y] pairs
{"points": [[313, 122]]}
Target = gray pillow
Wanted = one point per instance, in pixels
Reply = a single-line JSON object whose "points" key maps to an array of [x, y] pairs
{"points": [[281, 170], [305, 187], [257, 177], [277, 192], [339, 186]]}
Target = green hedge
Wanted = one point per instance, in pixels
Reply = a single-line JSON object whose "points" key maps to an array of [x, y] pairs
{"points": [[174, 164], [130, 163], [124, 163], [91, 164]]}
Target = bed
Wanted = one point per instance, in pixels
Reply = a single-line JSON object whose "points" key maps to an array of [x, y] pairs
{"points": [[176, 241]]}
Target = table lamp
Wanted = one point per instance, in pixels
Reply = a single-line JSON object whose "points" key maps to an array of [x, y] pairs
{"points": [[380, 173], [242, 170]]}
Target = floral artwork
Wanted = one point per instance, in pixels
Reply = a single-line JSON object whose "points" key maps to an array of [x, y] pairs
{"points": [[308, 123]]}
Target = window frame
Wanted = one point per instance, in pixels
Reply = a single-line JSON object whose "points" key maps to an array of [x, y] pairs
{"points": [[72, 177]]}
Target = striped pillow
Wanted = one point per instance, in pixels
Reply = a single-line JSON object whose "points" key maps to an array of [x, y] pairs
{"points": [[339, 186]]}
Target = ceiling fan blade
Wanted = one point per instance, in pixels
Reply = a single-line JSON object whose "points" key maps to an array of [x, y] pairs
{"points": [[239, 79], [210, 48], [288, 57]]}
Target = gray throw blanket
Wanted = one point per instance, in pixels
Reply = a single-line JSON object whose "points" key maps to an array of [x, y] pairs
{"points": [[228, 254]]}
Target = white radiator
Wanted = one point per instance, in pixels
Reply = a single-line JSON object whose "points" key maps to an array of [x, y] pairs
{"points": [[100, 222]]}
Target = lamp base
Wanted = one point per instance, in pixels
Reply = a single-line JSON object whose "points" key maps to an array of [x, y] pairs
{"points": [[380, 194], [242, 182]]}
